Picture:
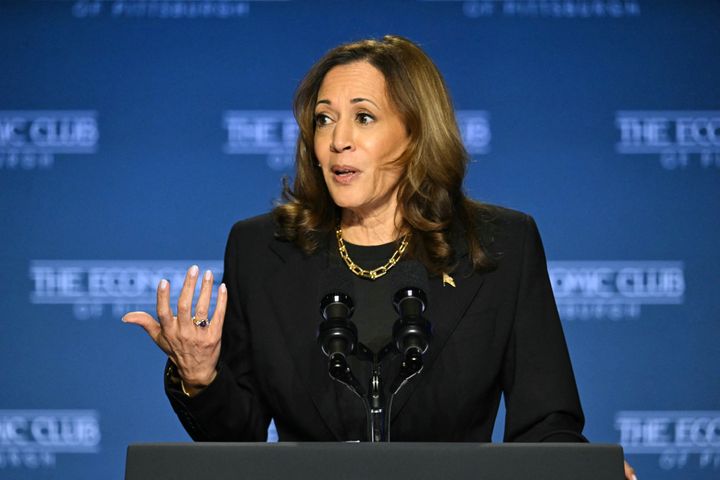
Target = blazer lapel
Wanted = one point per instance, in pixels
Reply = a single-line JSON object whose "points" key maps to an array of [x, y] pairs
{"points": [[298, 314], [446, 306]]}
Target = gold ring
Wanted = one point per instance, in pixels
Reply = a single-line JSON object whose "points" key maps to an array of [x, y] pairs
{"points": [[200, 322]]}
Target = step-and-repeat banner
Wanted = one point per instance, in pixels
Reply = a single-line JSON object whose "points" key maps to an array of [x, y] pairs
{"points": [[134, 133]]}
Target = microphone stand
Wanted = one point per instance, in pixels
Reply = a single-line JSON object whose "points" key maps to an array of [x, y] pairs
{"points": [[338, 338], [411, 366], [341, 372], [377, 407], [373, 402], [378, 428]]}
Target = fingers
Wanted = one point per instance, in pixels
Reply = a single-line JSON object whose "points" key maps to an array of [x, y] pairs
{"points": [[164, 311], [203, 304], [146, 321], [186, 297], [219, 316], [194, 350]]}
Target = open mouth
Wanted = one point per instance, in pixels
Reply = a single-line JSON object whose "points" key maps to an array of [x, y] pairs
{"points": [[343, 171], [344, 174]]}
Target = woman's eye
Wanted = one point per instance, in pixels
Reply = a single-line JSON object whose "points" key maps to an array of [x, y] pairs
{"points": [[365, 118], [321, 119]]}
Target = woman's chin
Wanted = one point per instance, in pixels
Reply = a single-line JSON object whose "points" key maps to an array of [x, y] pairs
{"points": [[362, 204], [346, 204], [344, 198]]}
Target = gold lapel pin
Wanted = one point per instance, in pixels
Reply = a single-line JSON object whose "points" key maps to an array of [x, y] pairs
{"points": [[448, 280]]}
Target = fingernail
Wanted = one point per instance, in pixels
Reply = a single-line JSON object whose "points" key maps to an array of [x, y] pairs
{"points": [[123, 319], [194, 271], [163, 284], [207, 275], [634, 477], [223, 288]]}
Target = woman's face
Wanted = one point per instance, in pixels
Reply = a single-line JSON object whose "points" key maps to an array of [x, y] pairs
{"points": [[358, 134]]}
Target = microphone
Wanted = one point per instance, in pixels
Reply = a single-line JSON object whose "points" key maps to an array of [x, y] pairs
{"points": [[411, 333], [337, 334]]}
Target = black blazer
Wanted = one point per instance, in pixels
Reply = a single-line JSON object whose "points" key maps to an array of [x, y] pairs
{"points": [[494, 332]]}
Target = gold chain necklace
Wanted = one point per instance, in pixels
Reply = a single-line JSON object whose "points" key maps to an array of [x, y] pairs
{"points": [[376, 272]]}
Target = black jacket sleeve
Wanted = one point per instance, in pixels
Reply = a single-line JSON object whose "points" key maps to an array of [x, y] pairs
{"points": [[542, 403], [230, 408]]}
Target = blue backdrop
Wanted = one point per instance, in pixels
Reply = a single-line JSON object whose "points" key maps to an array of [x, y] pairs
{"points": [[134, 133]]}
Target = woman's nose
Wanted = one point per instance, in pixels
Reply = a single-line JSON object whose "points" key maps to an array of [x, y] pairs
{"points": [[342, 138]]}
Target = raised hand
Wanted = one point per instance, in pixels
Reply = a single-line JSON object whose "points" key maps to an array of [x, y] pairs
{"points": [[191, 342]]}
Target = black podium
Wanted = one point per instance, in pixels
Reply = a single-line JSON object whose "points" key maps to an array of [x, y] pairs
{"points": [[373, 461]]}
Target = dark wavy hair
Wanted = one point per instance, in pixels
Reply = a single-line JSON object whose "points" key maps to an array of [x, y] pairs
{"points": [[430, 195]]}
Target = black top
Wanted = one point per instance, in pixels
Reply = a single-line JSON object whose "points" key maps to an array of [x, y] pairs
{"points": [[374, 312]]}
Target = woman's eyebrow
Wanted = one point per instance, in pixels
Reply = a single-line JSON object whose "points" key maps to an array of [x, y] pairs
{"points": [[360, 99], [354, 100]]}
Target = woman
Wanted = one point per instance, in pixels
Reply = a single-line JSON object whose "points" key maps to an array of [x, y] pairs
{"points": [[380, 166]]}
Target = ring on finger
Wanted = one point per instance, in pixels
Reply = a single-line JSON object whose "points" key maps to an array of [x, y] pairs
{"points": [[200, 322]]}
